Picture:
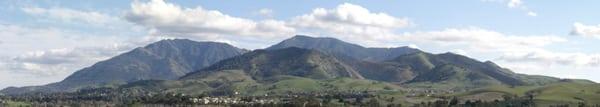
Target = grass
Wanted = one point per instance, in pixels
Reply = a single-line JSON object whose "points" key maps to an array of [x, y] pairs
{"points": [[356, 84], [518, 90], [555, 93], [570, 92], [567, 92], [16, 104], [283, 84]]}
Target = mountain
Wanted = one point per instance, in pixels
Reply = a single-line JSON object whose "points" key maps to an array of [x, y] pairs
{"points": [[300, 57], [367, 61], [456, 70], [403, 64], [267, 71], [343, 49], [162, 60], [262, 64], [298, 70]]}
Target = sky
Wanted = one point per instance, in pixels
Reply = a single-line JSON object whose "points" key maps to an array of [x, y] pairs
{"points": [[43, 41]]}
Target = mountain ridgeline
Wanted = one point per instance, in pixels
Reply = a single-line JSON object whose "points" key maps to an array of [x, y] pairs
{"points": [[189, 66], [343, 49]]}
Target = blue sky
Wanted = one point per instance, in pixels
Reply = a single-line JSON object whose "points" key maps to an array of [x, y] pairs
{"points": [[45, 41]]}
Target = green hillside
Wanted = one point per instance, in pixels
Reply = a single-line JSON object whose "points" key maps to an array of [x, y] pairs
{"points": [[229, 82], [565, 92]]}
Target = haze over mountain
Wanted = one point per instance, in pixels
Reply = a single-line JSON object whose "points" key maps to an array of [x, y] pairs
{"points": [[162, 60]]}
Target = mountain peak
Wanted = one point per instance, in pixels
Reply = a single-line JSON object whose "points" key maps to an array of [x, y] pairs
{"points": [[305, 37], [309, 42], [175, 40], [183, 42], [170, 41], [341, 48], [301, 36]]}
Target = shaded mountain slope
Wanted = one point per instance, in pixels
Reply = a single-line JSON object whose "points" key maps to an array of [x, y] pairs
{"points": [[289, 61]]}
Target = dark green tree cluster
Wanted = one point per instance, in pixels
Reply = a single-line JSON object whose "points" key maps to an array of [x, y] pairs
{"points": [[508, 101]]}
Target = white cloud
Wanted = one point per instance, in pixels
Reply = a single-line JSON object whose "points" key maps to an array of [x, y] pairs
{"points": [[482, 40], [173, 20], [265, 12], [554, 58], [40, 55], [346, 21], [29, 48], [42, 67], [21, 39], [531, 13], [352, 23], [586, 30], [459, 51], [557, 64], [414, 46], [71, 15], [349, 14], [63, 61], [516, 4]]}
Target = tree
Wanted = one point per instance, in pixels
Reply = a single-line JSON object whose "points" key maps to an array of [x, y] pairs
{"points": [[358, 99], [581, 104], [469, 103], [453, 101], [373, 103]]}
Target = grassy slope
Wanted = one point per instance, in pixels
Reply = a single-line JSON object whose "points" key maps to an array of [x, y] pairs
{"points": [[16, 104], [230, 81], [570, 93], [519, 90], [562, 92], [283, 84], [237, 81]]}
